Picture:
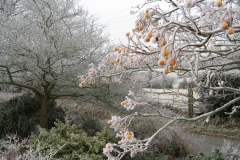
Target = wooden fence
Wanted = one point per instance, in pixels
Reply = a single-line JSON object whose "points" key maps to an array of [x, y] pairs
{"points": [[184, 100]]}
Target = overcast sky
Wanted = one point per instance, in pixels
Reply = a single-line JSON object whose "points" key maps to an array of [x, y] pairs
{"points": [[115, 14]]}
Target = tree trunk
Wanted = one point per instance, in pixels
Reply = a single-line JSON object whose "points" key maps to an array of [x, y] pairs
{"points": [[44, 114], [190, 100]]}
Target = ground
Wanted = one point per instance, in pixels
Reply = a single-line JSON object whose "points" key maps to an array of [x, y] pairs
{"points": [[228, 128]]}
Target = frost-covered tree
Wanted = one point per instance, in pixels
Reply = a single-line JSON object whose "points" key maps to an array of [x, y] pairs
{"points": [[195, 37], [7, 8], [45, 44]]}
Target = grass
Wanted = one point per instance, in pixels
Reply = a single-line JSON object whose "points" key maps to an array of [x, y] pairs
{"points": [[229, 128]]}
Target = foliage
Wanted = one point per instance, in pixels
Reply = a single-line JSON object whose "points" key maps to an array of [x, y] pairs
{"points": [[223, 96], [183, 84], [20, 114], [84, 121], [12, 147], [78, 143], [143, 127], [225, 153], [171, 144], [162, 82], [216, 154], [86, 115], [15, 148]]}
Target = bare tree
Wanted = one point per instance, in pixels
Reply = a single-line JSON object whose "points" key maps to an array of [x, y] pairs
{"points": [[44, 44], [7, 8]]}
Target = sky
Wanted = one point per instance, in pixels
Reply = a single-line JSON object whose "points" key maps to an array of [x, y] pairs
{"points": [[115, 14]]}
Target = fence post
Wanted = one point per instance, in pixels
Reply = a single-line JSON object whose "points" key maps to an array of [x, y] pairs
{"points": [[173, 100], [190, 100]]}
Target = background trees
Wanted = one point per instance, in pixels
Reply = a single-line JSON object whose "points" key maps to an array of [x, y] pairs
{"points": [[45, 44], [7, 8], [199, 38]]}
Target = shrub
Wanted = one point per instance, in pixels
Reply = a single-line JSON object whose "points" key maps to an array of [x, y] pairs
{"points": [[84, 121], [161, 82], [222, 97], [183, 84], [89, 124], [216, 154], [13, 147], [21, 113], [171, 143], [77, 143], [143, 128]]}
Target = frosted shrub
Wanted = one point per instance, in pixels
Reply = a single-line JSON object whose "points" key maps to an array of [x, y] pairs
{"points": [[74, 143]]}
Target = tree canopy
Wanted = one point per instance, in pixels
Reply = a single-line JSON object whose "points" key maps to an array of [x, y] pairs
{"points": [[45, 44]]}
